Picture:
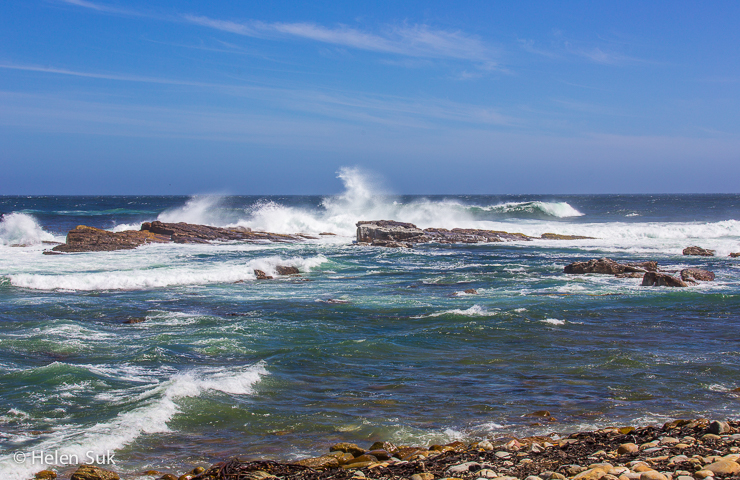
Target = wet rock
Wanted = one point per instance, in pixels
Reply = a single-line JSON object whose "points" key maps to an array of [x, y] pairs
{"points": [[380, 454], [630, 275], [734, 255], [654, 279], [262, 275], [347, 448], [168, 476], [46, 475], [50, 252], [718, 428], [698, 251], [555, 236], [471, 291], [283, 270], [605, 266], [688, 274], [92, 472], [387, 446]]}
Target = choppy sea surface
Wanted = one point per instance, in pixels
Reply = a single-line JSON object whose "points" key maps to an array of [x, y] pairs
{"points": [[369, 343]]}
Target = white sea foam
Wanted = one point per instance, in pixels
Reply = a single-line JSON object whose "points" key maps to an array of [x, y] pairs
{"points": [[174, 275], [474, 311], [553, 321], [21, 229], [362, 199], [159, 407]]}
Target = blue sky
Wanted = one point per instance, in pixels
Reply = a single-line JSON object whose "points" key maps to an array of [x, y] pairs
{"points": [[114, 97]]}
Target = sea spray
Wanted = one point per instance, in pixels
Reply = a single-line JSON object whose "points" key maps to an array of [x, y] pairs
{"points": [[21, 229]]}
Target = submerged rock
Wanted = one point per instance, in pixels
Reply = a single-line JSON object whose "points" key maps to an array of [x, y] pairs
{"points": [[698, 251], [655, 279]]}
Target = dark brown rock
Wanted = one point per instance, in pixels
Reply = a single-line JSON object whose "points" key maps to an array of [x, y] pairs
{"points": [[655, 279], [649, 266], [46, 475], [698, 251], [262, 275], [133, 320], [605, 266], [327, 233], [386, 446], [90, 239], [735, 255], [92, 472], [690, 274], [283, 270], [388, 233], [347, 448]]}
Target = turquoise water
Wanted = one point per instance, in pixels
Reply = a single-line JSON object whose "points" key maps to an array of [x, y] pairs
{"points": [[368, 343]]}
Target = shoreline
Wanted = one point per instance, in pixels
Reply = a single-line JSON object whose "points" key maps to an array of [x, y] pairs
{"points": [[678, 450]]}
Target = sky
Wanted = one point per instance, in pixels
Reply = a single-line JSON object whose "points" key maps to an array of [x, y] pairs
{"points": [[274, 97]]}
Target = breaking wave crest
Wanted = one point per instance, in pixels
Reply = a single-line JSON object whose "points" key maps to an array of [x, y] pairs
{"points": [[177, 275], [157, 406], [362, 199]]}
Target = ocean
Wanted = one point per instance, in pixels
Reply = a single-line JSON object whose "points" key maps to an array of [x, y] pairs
{"points": [[369, 343]]}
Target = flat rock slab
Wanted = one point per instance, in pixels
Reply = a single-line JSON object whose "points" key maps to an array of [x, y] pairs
{"points": [[389, 233], [90, 239]]}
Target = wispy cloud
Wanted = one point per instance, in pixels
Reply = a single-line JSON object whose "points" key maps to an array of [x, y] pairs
{"points": [[417, 40], [104, 76], [357, 107], [102, 8], [407, 40]]}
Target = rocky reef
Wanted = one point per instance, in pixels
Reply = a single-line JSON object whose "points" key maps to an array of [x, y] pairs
{"points": [[90, 239], [648, 271], [389, 233]]}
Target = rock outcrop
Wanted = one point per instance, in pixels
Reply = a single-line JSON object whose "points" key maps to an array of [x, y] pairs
{"points": [[607, 266], [90, 239], [389, 233], [692, 274], [556, 236], [702, 252], [735, 254], [655, 279]]}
